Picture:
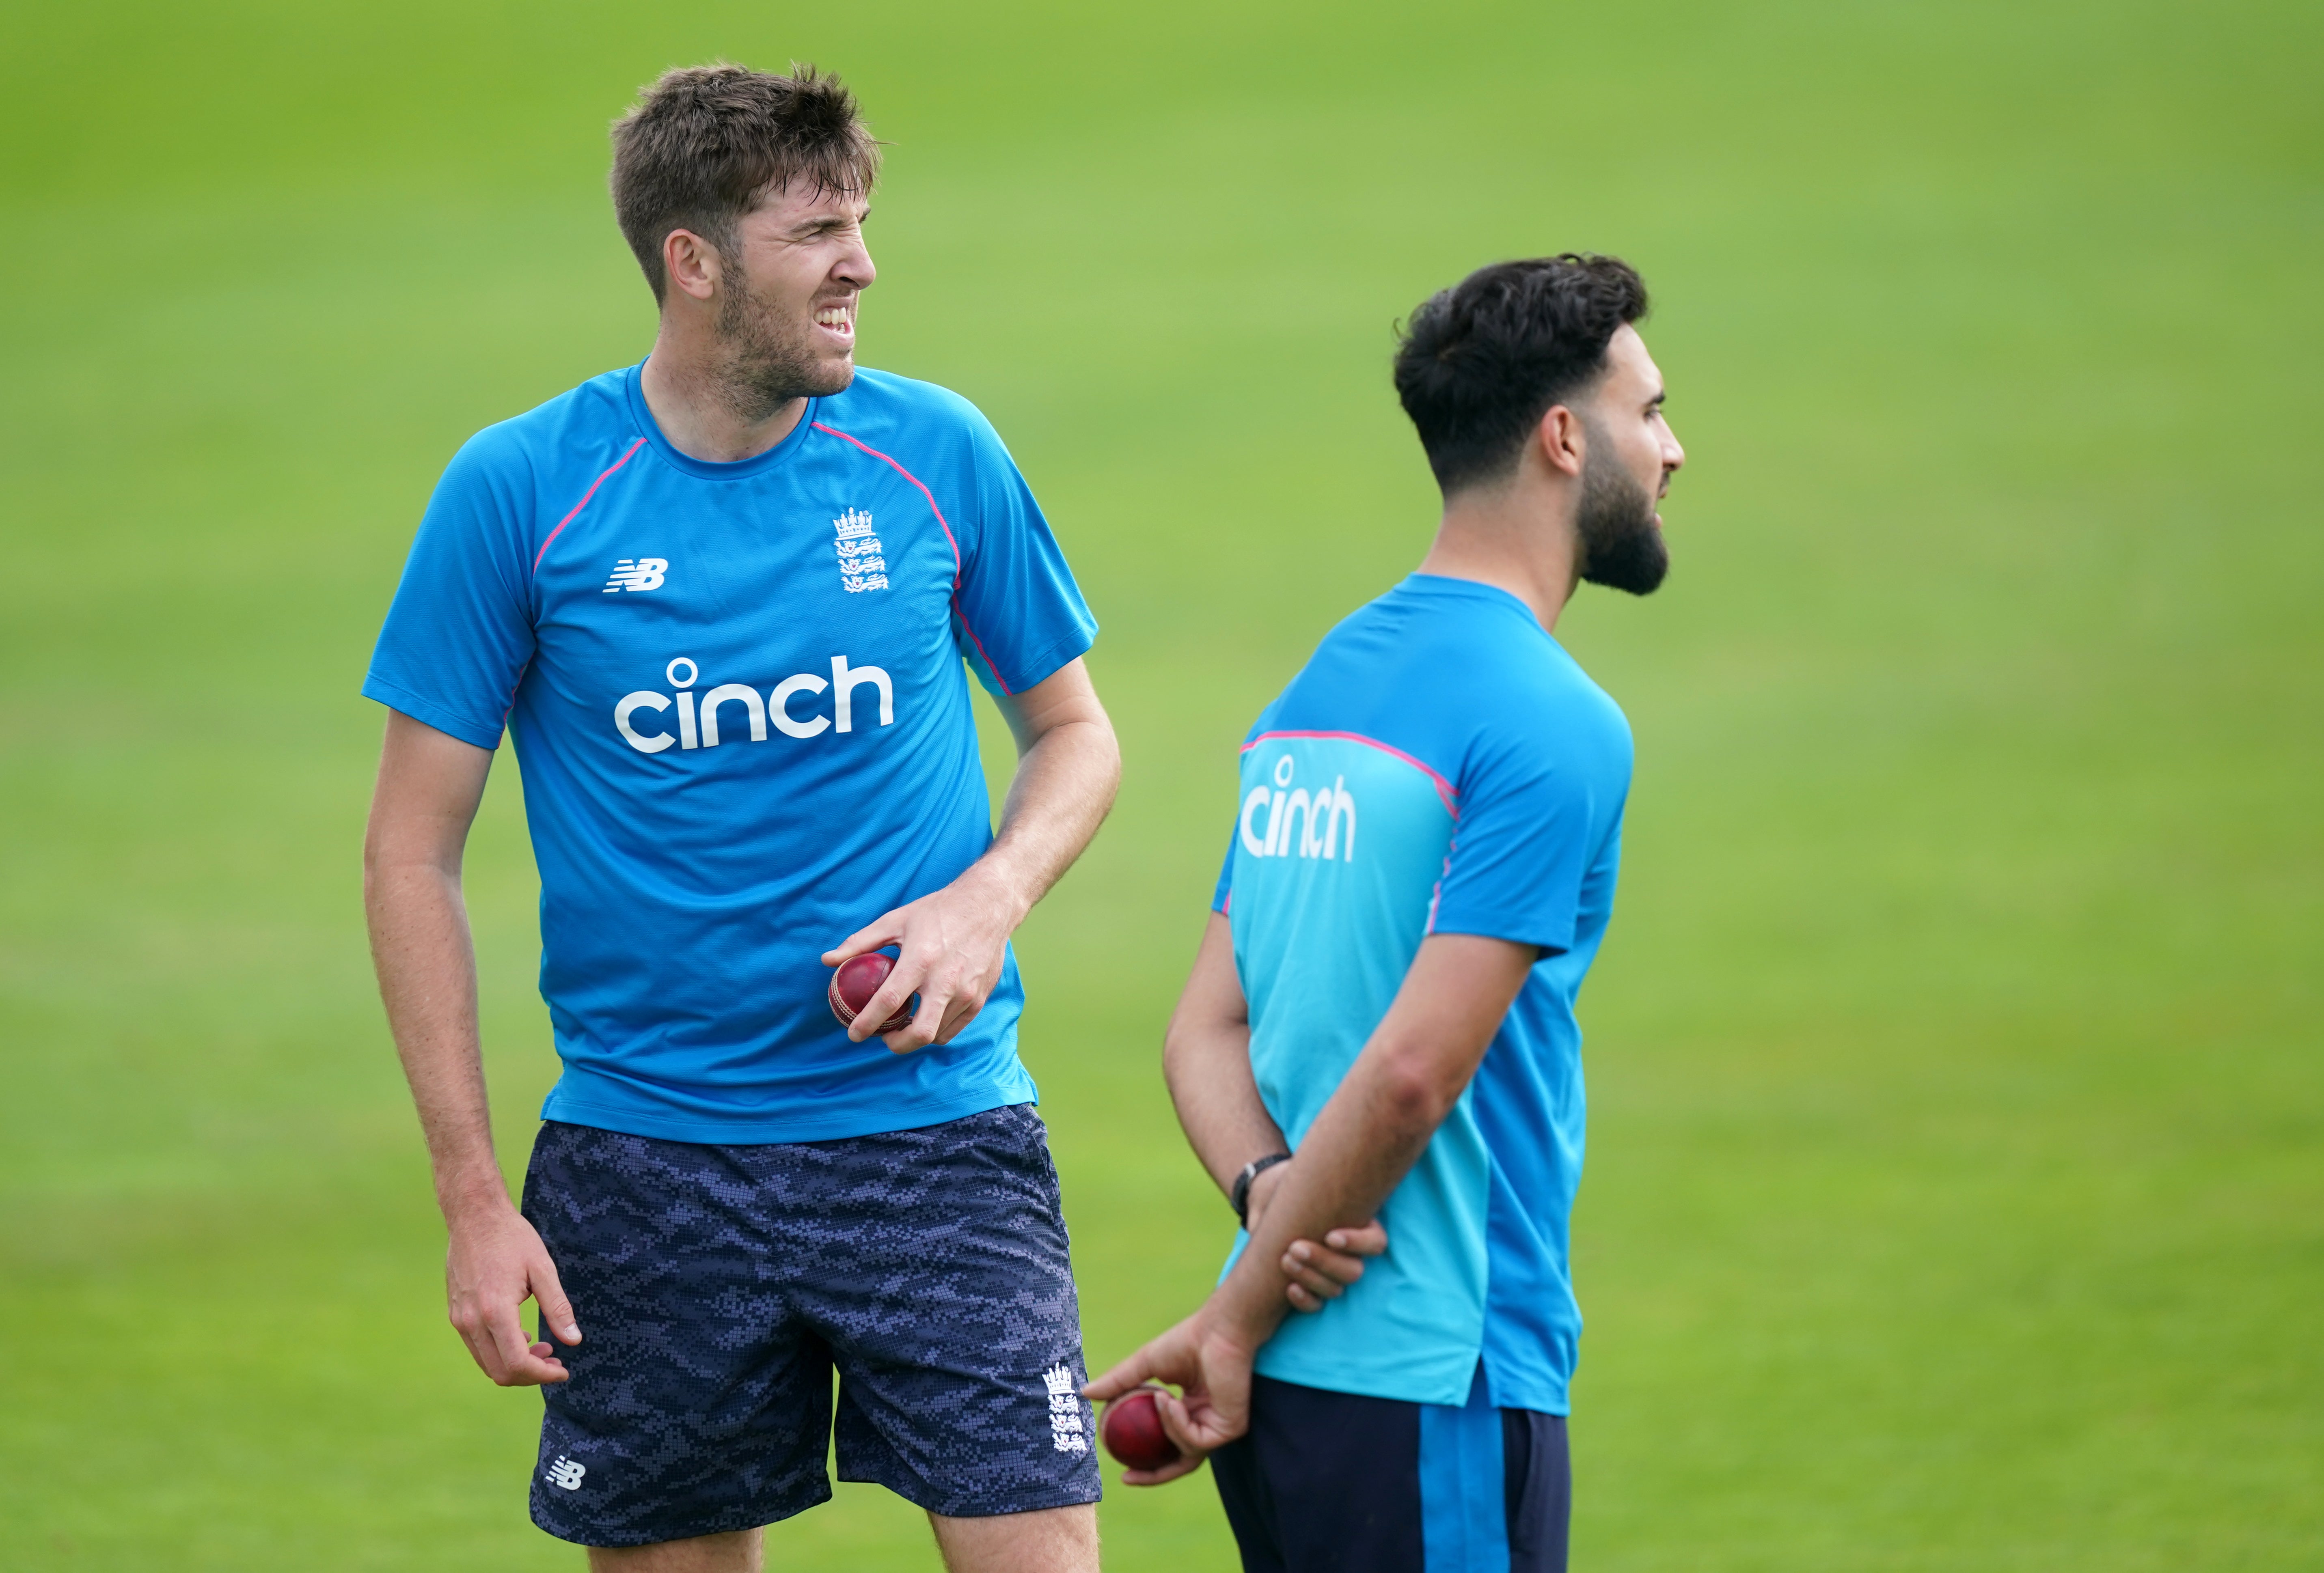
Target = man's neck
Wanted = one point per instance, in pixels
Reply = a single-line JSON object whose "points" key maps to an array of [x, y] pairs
{"points": [[699, 414], [1518, 538]]}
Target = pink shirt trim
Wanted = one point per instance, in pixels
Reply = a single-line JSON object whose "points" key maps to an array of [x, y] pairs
{"points": [[577, 507], [1444, 787], [949, 540]]}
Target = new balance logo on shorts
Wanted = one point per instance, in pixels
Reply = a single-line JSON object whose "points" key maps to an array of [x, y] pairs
{"points": [[567, 1473], [1065, 1429], [638, 573]]}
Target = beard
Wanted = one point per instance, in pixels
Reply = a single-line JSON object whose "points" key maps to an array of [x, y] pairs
{"points": [[1622, 547], [768, 362]]}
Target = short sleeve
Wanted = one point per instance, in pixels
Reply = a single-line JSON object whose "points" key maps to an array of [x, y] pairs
{"points": [[1526, 836], [459, 633], [1019, 616]]}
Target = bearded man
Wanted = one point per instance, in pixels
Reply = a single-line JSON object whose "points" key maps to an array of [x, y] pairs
{"points": [[1419, 875], [722, 601]]}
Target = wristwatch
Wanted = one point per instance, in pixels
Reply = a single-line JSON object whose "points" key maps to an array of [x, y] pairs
{"points": [[1239, 1197]]}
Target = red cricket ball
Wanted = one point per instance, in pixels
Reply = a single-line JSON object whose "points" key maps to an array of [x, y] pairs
{"points": [[1132, 1431], [857, 979]]}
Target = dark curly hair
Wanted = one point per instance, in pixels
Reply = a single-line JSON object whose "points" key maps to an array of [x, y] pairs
{"points": [[1481, 363], [705, 145]]}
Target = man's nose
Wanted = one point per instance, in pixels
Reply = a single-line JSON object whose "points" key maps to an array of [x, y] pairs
{"points": [[856, 269]]}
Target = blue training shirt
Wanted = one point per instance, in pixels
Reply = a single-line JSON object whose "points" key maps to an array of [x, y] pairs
{"points": [[737, 694], [1440, 765]]}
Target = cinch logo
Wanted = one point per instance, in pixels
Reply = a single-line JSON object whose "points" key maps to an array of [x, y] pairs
{"points": [[1066, 1433], [638, 573], [1317, 818], [698, 725], [860, 564]]}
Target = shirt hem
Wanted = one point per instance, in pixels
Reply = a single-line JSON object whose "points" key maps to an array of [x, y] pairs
{"points": [[1509, 929], [891, 1117], [1336, 1376]]}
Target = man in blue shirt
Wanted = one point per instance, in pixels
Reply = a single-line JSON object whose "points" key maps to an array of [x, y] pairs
{"points": [[1421, 869], [723, 602]]}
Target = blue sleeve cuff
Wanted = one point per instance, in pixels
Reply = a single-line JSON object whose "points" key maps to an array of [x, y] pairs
{"points": [[428, 713], [1516, 929], [1037, 669]]}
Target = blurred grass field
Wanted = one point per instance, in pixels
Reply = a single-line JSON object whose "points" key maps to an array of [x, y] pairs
{"points": [[1957, 1193]]}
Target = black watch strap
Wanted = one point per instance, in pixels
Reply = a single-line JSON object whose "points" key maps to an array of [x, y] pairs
{"points": [[1239, 1197]]}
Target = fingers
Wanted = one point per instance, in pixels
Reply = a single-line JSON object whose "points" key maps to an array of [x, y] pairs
{"points": [[952, 993], [964, 1008], [951, 948], [915, 972], [1340, 1268], [1132, 1373], [549, 1295], [1322, 1273], [938, 1021], [1317, 1274], [1187, 1435], [1184, 1464], [903, 981], [514, 1362], [1370, 1240], [479, 1349], [1197, 1425], [492, 1263], [883, 930], [921, 1030]]}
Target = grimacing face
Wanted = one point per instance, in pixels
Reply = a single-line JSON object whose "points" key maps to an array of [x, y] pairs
{"points": [[790, 290], [1631, 455]]}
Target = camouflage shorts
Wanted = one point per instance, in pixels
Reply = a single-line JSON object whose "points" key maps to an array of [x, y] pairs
{"points": [[719, 1287]]}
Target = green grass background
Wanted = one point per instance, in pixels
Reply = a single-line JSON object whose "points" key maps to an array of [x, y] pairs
{"points": [[1957, 1196]]}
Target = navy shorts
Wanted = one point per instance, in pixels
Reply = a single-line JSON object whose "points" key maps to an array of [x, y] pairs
{"points": [[1352, 1485], [718, 1287]]}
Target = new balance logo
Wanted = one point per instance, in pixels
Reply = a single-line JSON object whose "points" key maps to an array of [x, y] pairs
{"points": [[862, 565], [638, 573], [567, 1475], [1067, 1432]]}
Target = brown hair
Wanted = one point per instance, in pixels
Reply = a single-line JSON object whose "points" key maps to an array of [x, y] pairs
{"points": [[705, 145]]}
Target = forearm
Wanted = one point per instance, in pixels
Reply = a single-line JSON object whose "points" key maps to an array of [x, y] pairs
{"points": [[1368, 1135], [1207, 1067], [1063, 789], [1361, 1147], [1218, 1107], [426, 962], [1373, 1129], [1379, 1120], [1206, 1062]]}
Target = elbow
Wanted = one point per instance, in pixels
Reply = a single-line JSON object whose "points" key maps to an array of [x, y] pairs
{"points": [[374, 862], [1418, 1089], [392, 862], [1174, 1050], [1108, 760], [1191, 1047]]}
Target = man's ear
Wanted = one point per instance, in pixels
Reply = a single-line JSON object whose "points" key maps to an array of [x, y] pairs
{"points": [[1562, 442], [690, 263]]}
